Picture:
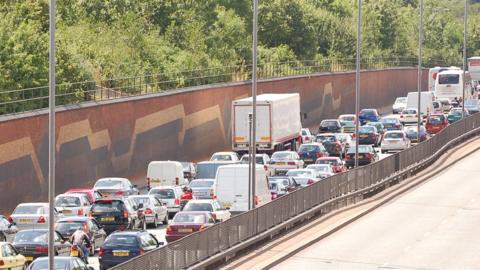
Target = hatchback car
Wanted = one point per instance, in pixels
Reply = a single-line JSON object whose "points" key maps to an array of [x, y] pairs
{"points": [[92, 195], [224, 156], [287, 181], [31, 216], [379, 125], [120, 247], [10, 258], [455, 114], [409, 116], [213, 206], [333, 143], [185, 223], [309, 152], [60, 263], [331, 126], [115, 187], [261, 159], [115, 214], [303, 177], [73, 204], [369, 135], [67, 226], [368, 115], [411, 132], [169, 195], [391, 123], [366, 155], [394, 141], [7, 229], [283, 161], [323, 170], [435, 123], [277, 189], [337, 164], [348, 122], [154, 210], [33, 244], [203, 188]]}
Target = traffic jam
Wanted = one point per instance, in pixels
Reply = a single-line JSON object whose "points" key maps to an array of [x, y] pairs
{"points": [[115, 220]]}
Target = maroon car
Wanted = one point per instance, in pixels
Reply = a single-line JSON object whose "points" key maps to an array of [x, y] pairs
{"points": [[187, 222]]}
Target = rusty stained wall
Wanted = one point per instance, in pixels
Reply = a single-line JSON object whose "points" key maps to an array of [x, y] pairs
{"points": [[121, 137]]}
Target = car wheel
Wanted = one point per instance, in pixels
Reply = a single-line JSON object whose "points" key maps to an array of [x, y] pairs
{"points": [[165, 220]]}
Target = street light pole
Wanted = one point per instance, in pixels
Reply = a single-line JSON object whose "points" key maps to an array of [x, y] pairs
{"points": [[254, 102], [51, 136], [357, 80], [465, 18], [419, 76]]}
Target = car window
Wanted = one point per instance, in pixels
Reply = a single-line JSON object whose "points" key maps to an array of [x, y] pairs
{"points": [[394, 135], [201, 183], [28, 209], [141, 200], [211, 220], [6, 251], [147, 240], [221, 157], [198, 207], [67, 201], [31, 236], [189, 218], [43, 264], [163, 193], [309, 148], [436, 119], [108, 183], [116, 240], [282, 155], [108, 206], [448, 78]]}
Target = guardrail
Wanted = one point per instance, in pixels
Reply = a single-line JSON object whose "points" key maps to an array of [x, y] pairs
{"points": [[17, 101], [221, 241]]}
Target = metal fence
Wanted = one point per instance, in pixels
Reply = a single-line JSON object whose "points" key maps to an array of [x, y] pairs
{"points": [[16, 101], [324, 196]]}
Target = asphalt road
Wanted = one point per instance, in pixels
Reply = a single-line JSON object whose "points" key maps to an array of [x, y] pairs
{"points": [[435, 226]]}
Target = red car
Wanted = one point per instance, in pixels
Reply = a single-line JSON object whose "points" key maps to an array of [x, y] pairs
{"points": [[187, 222], [435, 123], [91, 194], [337, 164]]}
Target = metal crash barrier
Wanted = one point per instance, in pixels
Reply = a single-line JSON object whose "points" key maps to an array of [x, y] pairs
{"points": [[225, 239]]}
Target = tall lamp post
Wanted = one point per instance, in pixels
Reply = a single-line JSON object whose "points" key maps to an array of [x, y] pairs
{"points": [[465, 18], [51, 135], [357, 79], [253, 148], [419, 76]]}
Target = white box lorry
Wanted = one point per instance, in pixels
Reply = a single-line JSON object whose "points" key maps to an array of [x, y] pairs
{"points": [[278, 123], [231, 187]]}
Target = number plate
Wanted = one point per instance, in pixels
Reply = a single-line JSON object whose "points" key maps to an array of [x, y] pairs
{"points": [[74, 253], [308, 159], [227, 205], [107, 219], [364, 136], [121, 253], [185, 230], [25, 220], [67, 211], [361, 156], [280, 163], [29, 259]]}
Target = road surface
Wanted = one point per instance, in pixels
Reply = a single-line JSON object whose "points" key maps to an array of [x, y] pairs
{"points": [[433, 227]]}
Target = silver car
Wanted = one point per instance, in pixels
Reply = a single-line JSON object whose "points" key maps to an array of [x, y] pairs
{"points": [[73, 204], [154, 210], [323, 170], [115, 187], [32, 216], [203, 188], [169, 195], [8, 230], [213, 206]]}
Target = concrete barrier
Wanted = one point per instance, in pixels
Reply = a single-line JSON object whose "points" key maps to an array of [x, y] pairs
{"points": [[120, 137]]}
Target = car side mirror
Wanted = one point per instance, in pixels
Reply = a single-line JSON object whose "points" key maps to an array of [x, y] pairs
{"points": [[160, 244]]}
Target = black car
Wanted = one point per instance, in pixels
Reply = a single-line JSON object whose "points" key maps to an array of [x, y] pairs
{"points": [[330, 125], [120, 247], [116, 214], [369, 135], [309, 152], [61, 263], [34, 243], [7, 230], [366, 155], [67, 226]]}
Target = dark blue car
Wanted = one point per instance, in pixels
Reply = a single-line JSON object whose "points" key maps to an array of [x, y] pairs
{"points": [[121, 246], [309, 152], [368, 115]]}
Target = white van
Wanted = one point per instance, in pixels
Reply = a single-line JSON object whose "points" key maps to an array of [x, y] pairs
{"points": [[231, 185], [165, 173], [426, 100]]}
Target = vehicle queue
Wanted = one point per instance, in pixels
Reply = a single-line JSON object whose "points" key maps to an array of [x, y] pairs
{"points": [[188, 197]]}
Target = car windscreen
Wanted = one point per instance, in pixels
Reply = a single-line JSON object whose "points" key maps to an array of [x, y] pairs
{"points": [[326, 138], [108, 183], [258, 160], [108, 206], [448, 79], [282, 156], [436, 119], [319, 168], [28, 209], [31, 236], [329, 124], [201, 184], [361, 149], [163, 193], [366, 129], [394, 135], [401, 100], [409, 111], [141, 200], [368, 112], [471, 102], [309, 148], [198, 207], [294, 173], [389, 120], [349, 118], [59, 264], [67, 201], [121, 240], [273, 186], [68, 226], [327, 161], [221, 158], [188, 218]]}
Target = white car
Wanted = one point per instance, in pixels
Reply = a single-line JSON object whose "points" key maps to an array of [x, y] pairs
{"points": [[409, 116], [32, 216], [446, 105], [115, 187], [212, 206], [303, 177], [261, 159], [399, 105], [154, 209], [322, 170], [307, 136], [283, 161], [224, 156], [73, 204], [394, 140], [169, 195]]}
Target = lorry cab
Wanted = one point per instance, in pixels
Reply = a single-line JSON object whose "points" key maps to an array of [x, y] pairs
{"points": [[165, 173], [231, 186]]}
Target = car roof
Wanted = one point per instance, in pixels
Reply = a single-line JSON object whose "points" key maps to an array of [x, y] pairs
{"points": [[194, 212], [74, 190], [328, 158], [165, 187], [60, 258], [114, 178], [34, 204], [129, 232], [34, 230], [224, 153]]}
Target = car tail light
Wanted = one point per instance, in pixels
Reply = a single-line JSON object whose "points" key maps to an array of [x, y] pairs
{"points": [[148, 211], [310, 181], [41, 249], [100, 253], [169, 229], [348, 157], [2, 263], [10, 219], [119, 193], [319, 154], [291, 163], [177, 201], [125, 214], [265, 167], [401, 115], [142, 251], [41, 220], [370, 156], [274, 196], [80, 212], [85, 228]]}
